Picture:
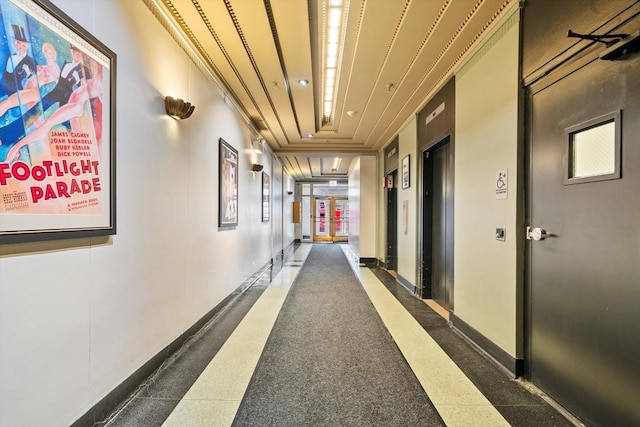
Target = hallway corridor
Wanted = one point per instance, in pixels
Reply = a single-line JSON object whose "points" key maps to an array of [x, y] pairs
{"points": [[328, 342]]}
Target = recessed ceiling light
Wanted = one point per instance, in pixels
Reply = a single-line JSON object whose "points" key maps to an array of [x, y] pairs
{"points": [[309, 135], [303, 82], [351, 113]]}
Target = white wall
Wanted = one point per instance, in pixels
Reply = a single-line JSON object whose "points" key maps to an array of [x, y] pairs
{"points": [[407, 243], [363, 206], [488, 272], [276, 208], [368, 204], [354, 207], [287, 211], [77, 317]]}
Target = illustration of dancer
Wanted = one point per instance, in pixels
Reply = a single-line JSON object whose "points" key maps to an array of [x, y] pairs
{"points": [[72, 91]]}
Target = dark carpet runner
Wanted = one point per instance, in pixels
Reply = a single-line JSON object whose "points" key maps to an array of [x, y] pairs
{"points": [[330, 360]]}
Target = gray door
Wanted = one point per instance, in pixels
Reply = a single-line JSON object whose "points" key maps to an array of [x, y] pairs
{"points": [[584, 283], [438, 223], [392, 223], [442, 225]]}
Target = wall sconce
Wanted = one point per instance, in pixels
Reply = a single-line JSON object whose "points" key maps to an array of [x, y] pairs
{"points": [[177, 108], [256, 167]]}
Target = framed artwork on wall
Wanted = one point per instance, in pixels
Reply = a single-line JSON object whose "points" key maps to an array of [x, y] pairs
{"points": [[57, 126], [266, 193], [405, 172], [228, 185]]}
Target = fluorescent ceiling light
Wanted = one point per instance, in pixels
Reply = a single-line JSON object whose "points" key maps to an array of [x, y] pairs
{"points": [[333, 31]]}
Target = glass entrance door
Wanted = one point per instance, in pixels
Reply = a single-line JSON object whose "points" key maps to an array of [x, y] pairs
{"points": [[340, 210], [321, 223], [330, 219]]}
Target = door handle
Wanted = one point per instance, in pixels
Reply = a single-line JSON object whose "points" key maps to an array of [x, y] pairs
{"points": [[537, 233]]}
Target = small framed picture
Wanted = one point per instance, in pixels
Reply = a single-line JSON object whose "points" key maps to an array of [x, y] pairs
{"points": [[406, 183], [266, 194], [228, 182]]}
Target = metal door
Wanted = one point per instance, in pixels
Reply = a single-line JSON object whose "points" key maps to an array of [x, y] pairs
{"points": [[442, 225], [584, 251], [437, 239], [392, 222]]}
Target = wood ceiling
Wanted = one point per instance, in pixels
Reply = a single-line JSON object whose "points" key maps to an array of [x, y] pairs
{"points": [[397, 53]]}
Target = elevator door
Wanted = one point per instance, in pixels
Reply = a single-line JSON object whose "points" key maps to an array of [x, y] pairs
{"points": [[392, 222], [584, 284], [438, 224], [330, 219]]}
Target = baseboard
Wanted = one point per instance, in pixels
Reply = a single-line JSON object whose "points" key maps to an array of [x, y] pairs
{"points": [[406, 284], [107, 405], [513, 365], [280, 256], [291, 246]]}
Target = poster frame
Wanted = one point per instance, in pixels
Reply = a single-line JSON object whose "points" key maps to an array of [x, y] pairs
{"points": [[227, 185], [266, 197], [68, 225], [406, 179]]}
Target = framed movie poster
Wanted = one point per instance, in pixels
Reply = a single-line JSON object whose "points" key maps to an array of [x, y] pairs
{"points": [[405, 172], [57, 126], [266, 194], [228, 185]]}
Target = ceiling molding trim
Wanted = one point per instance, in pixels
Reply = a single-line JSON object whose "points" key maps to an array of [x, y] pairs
{"points": [[490, 40], [252, 59], [456, 34], [384, 61], [313, 48], [411, 64], [469, 50], [488, 28], [338, 151], [168, 16], [215, 36], [276, 42]]}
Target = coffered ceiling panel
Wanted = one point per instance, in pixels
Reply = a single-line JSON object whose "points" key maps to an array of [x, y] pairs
{"points": [[396, 55]]}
